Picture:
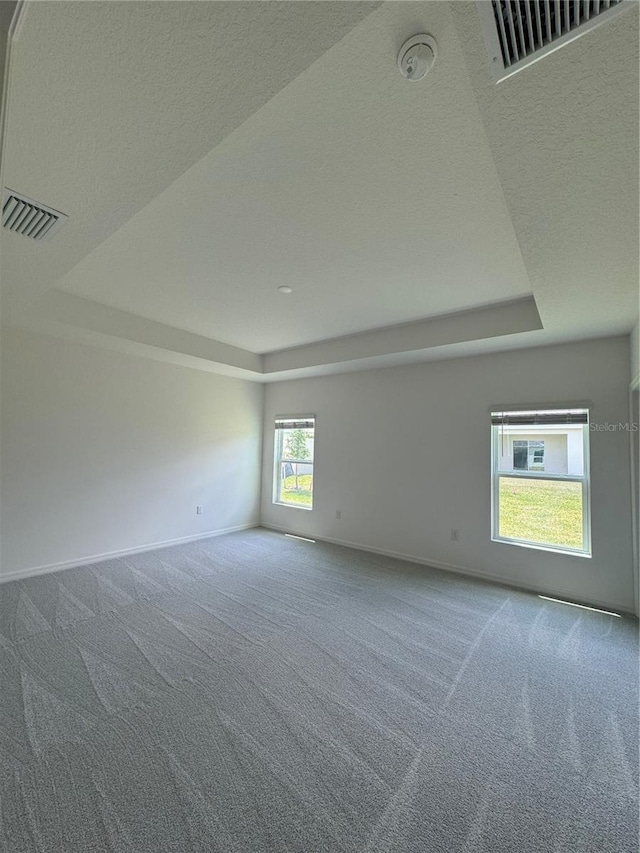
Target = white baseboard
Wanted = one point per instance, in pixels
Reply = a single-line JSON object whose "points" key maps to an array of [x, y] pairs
{"points": [[123, 552], [461, 570], [398, 555]]}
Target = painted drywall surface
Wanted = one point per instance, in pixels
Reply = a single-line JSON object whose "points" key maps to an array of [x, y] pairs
{"points": [[634, 415], [104, 451], [635, 486], [404, 453]]}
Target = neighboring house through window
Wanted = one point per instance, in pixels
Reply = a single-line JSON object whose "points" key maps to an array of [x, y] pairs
{"points": [[528, 455]]}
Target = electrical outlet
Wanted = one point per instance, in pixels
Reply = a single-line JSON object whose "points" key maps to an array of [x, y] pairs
{"points": [[338, 514], [455, 535], [199, 509]]}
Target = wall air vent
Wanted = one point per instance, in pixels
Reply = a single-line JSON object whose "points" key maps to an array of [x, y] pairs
{"points": [[520, 32], [30, 218]]}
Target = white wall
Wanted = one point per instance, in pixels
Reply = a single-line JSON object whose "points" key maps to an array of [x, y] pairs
{"points": [[635, 484], [103, 451], [405, 454], [634, 415], [6, 13]]}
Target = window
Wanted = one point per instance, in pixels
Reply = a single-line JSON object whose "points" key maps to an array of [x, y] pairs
{"points": [[293, 469], [528, 455], [540, 480]]}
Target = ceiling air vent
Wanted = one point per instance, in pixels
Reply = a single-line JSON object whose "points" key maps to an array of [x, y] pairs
{"points": [[30, 218], [520, 32]]}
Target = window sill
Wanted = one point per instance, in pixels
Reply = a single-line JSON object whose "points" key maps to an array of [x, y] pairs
{"points": [[536, 547], [293, 506]]}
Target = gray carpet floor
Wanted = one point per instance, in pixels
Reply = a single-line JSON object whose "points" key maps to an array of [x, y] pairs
{"points": [[256, 694]]}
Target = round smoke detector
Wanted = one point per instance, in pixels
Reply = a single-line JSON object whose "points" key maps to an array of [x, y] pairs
{"points": [[417, 56]]}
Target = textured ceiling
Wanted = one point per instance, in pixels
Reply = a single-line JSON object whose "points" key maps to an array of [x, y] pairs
{"points": [[110, 102], [375, 199], [207, 153], [564, 136]]}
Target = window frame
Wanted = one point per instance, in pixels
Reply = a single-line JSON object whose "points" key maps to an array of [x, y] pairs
{"points": [[279, 459], [523, 474]]}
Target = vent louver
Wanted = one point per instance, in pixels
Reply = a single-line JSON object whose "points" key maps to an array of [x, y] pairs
{"points": [[30, 218], [520, 32]]}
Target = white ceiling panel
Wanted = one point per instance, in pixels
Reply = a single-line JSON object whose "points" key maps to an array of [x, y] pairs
{"points": [[208, 153], [375, 199]]}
